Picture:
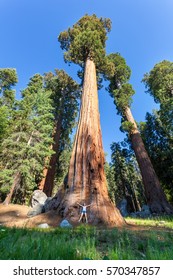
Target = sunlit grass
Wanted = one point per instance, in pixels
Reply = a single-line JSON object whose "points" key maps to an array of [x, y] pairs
{"points": [[86, 242], [160, 221]]}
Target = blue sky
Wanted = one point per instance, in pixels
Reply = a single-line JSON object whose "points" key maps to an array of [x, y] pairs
{"points": [[141, 32]]}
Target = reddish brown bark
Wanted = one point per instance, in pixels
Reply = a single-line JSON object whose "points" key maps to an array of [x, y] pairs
{"points": [[86, 177], [47, 182], [41, 184], [155, 196]]}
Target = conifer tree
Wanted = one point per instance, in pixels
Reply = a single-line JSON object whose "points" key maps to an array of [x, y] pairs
{"points": [[126, 176], [8, 79], [84, 44], [122, 93], [160, 150], [28, 144], [159, 84], [64, 95]]}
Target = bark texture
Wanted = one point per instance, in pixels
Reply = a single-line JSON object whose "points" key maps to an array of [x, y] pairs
{"points": [[86, 178], [47, 182], [155, 196]]}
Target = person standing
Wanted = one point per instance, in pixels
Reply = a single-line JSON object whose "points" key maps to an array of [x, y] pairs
{"points": [[84, 211]]}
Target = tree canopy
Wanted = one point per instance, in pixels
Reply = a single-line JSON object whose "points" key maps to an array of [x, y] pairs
{"points": [[86, 39], [118, 87], [159, 81], [8, 79]]}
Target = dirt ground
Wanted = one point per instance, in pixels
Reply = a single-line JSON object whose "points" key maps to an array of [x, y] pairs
{"points": [[14, 215]]}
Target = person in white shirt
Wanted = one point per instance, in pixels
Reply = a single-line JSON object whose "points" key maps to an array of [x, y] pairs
{"points": [[84, 211]]}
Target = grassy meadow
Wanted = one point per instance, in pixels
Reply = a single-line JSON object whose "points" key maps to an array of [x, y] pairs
{"points": [[86, 242]]}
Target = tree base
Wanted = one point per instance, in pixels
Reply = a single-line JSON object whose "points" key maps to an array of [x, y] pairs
{"points": [[161, 208], [100, 213]]}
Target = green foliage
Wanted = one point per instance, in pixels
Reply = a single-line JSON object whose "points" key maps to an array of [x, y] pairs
{"points": [[127, 178], [159, 82], [120, 73], [86, 39], [118, 87], [157, 132], [127, 126], [65, 94], [28, 144], [112, 187], [3, 122], [62, 166], [122, 97], [160, 149], [166, 117], [8, 78]]}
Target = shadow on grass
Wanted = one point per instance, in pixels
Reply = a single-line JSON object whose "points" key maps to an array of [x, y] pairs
{"points": [[84, 242]]}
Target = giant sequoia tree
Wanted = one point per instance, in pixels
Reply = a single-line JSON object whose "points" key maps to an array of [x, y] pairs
{"points": [[160, 150], [85, 45], [121, 91], [159, 84]]}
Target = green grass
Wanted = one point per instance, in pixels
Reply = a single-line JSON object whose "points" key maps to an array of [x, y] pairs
{"points": [[160, 221], [86, 242]]}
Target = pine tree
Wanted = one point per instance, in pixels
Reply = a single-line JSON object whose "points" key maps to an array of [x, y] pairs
{"points": [[28, 144], [64, 95], [122, 93], [8, 79], [126, 176]]}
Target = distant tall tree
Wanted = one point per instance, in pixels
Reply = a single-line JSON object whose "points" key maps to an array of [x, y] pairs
{"points": [[121, 91], [28, 144], [160, 150], [159, 84], [8, 79], [64, 94], [84, 44], [126, 176]]}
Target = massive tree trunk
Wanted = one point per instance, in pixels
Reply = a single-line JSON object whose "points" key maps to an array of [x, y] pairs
{"points": [[86, 178], [155, 196], [47, 182]]}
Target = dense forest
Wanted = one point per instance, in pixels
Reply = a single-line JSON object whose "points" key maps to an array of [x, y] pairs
{"points": [[38, 150]]}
